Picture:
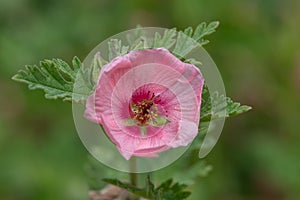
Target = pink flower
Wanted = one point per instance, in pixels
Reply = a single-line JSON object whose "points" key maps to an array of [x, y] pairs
{"points": [[147, 101]]}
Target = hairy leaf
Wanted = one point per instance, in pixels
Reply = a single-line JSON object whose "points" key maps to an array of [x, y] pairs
{"points": [[185, 44], [167, 190], [116, 49], [165, 41], [58, 79], [126, 186], [215, 106], [203, 30], [54, 76]]}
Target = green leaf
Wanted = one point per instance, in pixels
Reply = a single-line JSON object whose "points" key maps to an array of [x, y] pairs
{"points": [[203, 30], [126, 186], [54, 76], [205, 114], [138, 33], [214, 106], [185, 44], [235, 108], [58, 79], [193, 61], [165, 41], [184, 41], [94, 71], [116, 49], [188, 31], [141, 43], [167, 190], [150, 188], [203, 127]]}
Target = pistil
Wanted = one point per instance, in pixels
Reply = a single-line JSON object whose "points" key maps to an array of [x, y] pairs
{"points": [[144, 112]]}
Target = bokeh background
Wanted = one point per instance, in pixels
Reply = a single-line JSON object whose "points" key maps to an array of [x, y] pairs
{"points": [[257, 50]]}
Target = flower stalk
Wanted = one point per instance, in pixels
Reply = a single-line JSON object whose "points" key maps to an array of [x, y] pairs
{"points": [[132, 174]]}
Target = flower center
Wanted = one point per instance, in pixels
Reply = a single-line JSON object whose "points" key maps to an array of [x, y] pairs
{"points": [[144, 112]]}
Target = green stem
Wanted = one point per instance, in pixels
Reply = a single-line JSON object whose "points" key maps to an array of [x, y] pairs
{"points": [[132, 173]]}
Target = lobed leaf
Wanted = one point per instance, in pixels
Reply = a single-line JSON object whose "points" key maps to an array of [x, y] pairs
{"points": [[165, 41], [56, 78], [215, 106], [126, 186], [184, 44], [167, 190], [203, 30], [116, 49]]}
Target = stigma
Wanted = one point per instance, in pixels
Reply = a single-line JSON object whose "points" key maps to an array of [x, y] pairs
{"points": [[144, 112]]}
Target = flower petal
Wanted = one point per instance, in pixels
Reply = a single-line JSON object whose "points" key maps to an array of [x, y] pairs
{"points": [[129, 78], [159, 55], [187, 132], [90, 113]]}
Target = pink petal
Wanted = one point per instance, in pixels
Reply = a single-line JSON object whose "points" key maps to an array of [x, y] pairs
{"points": [[90, 110], [178, 84], [186, 134], [159, 55]]}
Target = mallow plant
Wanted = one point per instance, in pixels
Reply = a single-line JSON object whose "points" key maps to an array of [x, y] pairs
{"points": [[141, 100]]}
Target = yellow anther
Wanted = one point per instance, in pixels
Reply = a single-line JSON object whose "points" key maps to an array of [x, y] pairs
{"points": [[143, 112]]}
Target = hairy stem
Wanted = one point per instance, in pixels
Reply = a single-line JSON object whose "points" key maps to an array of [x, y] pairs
{"points": [[133, 174]]}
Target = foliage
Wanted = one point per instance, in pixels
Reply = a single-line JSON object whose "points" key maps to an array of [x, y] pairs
{"points": [[58, 80], [168, 190], [182, 41], [258, 155], [54, 76], [213, 105], [165, 41], [115, 48], [184, 44]]}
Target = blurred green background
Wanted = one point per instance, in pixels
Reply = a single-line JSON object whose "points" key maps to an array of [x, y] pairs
{"points": [[257, 50]]}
